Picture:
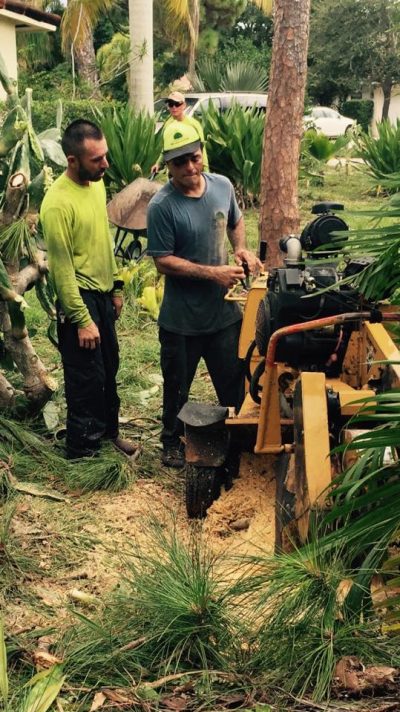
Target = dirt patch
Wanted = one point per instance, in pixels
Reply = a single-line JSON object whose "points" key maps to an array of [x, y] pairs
{"points": [[108, 526]]}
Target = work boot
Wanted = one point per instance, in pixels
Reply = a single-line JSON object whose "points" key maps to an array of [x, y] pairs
{"points": [[173, 456], [126, 446]]}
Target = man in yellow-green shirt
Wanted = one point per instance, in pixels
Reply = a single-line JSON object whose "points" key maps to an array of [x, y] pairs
{"points": [[89, 295], [176, 105]]}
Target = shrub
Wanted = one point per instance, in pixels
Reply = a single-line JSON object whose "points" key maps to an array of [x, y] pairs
{"points": [[43, 112], [382, 155], [316, 150], [360, 109], [133, 144], [50, 83], [234, 146]]}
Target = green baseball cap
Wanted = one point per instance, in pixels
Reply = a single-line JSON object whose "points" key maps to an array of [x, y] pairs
{"points": [[178, 139]]}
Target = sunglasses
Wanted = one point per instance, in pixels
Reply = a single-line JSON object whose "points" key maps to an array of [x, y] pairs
{"points": [[171, 103], [188, 157]]}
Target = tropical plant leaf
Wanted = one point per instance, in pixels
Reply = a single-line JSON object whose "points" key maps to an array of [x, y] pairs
{"points": [[3, 665], [45, 688], [382, 154], [133, 144], [234, 147]]}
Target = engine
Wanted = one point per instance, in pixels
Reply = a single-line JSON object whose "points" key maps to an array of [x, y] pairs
{"points": [[295, 295]]}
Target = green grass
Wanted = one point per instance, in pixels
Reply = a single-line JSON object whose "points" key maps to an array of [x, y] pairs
{"points": [[171, 614], [350, 187], [301, 599]]}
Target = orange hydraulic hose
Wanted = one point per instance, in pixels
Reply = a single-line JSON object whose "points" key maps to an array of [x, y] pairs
{"points": [[319, 324]]}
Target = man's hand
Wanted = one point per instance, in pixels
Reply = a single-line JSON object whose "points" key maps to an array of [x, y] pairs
{"points": [[89, 336], [243, 255], [228, 275], [118, 303]]}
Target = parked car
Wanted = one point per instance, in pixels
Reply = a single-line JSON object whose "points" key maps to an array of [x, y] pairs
{"points": [[199, 101], [328, 121]]}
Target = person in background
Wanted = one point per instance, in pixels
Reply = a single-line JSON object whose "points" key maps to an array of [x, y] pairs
{"points": [[89, 294], [187, 224], [177, 106]]}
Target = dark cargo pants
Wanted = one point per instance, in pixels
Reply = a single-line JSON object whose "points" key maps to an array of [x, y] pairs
{"points": [[90, 377], [180, 356]]}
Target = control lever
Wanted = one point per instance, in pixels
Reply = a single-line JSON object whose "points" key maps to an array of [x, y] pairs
{"points": [[246, 281]]}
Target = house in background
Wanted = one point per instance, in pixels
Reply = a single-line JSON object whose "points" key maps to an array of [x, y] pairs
{"points": [[17, 16], [394, 106]]}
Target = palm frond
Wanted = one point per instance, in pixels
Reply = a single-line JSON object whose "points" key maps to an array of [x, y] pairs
{"points": [[79, 19], [382, 154], [243, 76], [16, 242]]}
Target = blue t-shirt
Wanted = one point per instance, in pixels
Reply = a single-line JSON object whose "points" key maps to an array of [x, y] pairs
{"points": [[194, 229]]}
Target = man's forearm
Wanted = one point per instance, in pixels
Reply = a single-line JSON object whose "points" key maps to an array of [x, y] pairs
{"points": [[225, 275], [179, 267]]}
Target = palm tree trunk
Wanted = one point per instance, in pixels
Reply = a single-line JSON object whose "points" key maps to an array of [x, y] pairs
{"points": [[141, 63], [194, 26], [85, 60], [279, 211]]}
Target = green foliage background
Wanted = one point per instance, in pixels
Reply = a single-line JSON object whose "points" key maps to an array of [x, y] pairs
{"points": [[360, 109]]}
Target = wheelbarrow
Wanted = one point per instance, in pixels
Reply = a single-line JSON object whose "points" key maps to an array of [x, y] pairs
{"points": [[128, 212]]}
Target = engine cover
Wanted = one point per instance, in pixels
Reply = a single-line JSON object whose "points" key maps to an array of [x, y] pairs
{"points": [[290, 300]]}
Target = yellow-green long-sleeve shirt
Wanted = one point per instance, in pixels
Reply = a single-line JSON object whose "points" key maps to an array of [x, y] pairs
{"points": [[79, 244]]}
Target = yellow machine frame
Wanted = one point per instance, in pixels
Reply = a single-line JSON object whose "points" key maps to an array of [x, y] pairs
{"points": [[369, 344]]}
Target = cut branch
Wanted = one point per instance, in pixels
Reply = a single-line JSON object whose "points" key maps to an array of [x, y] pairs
{"points": [[15, 203]]}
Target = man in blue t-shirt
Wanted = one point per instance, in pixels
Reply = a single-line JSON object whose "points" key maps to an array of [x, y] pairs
{"points": [[187, 224]]}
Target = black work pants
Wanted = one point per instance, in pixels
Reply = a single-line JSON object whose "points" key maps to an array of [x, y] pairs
{"points": [[90, 377], [180, 356]]}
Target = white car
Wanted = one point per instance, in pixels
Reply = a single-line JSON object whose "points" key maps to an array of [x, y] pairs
{"points": [[328, 121]]}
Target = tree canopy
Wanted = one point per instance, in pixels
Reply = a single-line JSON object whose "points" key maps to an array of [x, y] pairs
{"points": [[353, 43]]}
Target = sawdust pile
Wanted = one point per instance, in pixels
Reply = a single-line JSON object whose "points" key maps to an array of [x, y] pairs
{"points": [[242, 520]]}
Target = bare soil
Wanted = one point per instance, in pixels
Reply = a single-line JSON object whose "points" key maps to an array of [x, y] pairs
{"points": [[80, 545]]}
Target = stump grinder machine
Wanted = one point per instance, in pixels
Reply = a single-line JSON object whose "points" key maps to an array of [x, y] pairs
{"points": [[311, 354]]}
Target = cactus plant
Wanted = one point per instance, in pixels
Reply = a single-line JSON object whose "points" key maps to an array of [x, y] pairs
{"points": [[24, 178]]}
